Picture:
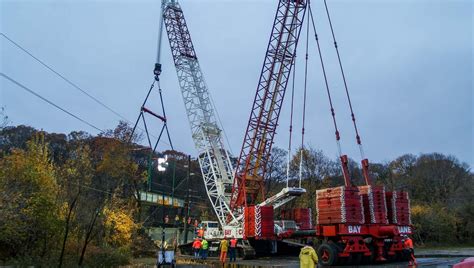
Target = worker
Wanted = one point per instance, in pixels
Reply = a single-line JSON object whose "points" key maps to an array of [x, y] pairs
{"points": [[201, 232], [204, 248], [232, 249], [408, 247], [224, 245], [196, 247], [308, 257]]}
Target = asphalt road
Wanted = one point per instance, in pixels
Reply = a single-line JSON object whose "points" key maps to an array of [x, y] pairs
{"points": [[292, 262], [425, 258]]}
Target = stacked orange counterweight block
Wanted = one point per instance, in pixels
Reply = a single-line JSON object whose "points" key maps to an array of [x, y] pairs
{"points": [[339, 205], [398, 207], [258, 222], [301, 216], [375, 205]]}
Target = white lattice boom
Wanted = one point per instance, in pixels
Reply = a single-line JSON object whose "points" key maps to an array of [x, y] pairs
{"points": [[213, 158]]}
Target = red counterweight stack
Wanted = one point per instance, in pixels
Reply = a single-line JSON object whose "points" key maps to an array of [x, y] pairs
{"points": [[375, 205], [339, 205], [398, 207], [258, 222], [301, 216], [287, 214]]}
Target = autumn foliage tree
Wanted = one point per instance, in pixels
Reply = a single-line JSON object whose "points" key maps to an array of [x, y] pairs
{"points": [[73, 200], [30, 215], [66, 199]]}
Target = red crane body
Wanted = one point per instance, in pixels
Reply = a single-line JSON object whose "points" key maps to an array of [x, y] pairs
{"points": [[261, 128]]}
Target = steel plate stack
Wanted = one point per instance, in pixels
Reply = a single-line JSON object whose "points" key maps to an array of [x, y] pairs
{"points": [[339, 205], [375, 205], [398, 207]]}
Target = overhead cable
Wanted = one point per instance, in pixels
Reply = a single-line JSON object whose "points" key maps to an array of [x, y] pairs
{"points": [[50, 102], [74, 85]]}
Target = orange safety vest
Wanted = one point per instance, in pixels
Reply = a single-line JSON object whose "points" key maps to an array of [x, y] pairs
{"points": [[201, 232], [233, 243], [408, 243], [197, 244]]}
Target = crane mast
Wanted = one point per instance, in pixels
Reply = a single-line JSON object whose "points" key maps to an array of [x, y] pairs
{"points": [[280, 57], [213, 158]]}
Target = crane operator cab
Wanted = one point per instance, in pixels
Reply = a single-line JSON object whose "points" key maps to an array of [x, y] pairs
{"points": [[211, 229]]}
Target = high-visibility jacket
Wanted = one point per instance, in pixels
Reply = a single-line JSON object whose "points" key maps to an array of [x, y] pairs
{"points": [[204, 244], [408, 243], [197, 244], [308, 257], [201, 232], [233, 243], [224, 245]]}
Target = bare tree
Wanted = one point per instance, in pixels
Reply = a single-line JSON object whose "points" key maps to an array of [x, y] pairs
{"points": [[276, 169], [3, 118]]}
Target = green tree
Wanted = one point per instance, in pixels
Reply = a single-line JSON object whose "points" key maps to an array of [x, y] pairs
{"points": [[30, 215]]}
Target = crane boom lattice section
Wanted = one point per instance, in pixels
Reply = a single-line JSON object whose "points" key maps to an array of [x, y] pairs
{"points": [[213, 159], [258, 140]]}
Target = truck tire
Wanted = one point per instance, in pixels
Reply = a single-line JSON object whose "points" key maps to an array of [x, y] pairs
{"points": [[327, 254]]}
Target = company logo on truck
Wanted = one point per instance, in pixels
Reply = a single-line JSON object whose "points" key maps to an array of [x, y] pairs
{"points": [[354, 229], [404, 229]]}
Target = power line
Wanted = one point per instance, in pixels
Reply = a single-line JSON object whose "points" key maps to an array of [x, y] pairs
{"points": [[64, 110], [50, 102], [73, 84], [63, 77]]}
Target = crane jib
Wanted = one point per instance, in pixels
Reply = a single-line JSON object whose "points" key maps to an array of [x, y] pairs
{"points": [[258, 140]]}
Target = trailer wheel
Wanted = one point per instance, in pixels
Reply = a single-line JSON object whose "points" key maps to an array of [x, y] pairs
{"points": [[327, 254]]}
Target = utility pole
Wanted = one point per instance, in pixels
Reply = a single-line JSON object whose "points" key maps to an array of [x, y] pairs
{"points": [[163, 219], [185, 237], [162, 164]]}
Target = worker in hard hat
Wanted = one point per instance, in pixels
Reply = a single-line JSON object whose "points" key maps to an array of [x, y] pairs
{"points": [[224, 245], [204, 248], [196, 247], [408, 246], [232, 249], [308, 256], [201, 232]]}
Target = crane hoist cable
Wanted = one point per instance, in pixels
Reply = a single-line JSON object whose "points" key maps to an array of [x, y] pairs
{"points": [[358, 139], [163, 118], [300, 172], [364, 161], [333, 112], [291, 122], [164, 127], [343, 158], [213, 103]]}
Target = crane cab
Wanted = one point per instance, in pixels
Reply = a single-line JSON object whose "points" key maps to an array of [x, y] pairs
{"points": [[211, 229]]}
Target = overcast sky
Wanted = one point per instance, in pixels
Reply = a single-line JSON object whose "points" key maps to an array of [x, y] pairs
{"points": [[408, 65]]}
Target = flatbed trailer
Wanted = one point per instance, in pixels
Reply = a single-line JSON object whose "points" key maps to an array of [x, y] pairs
{"points": [[365, 243]]}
